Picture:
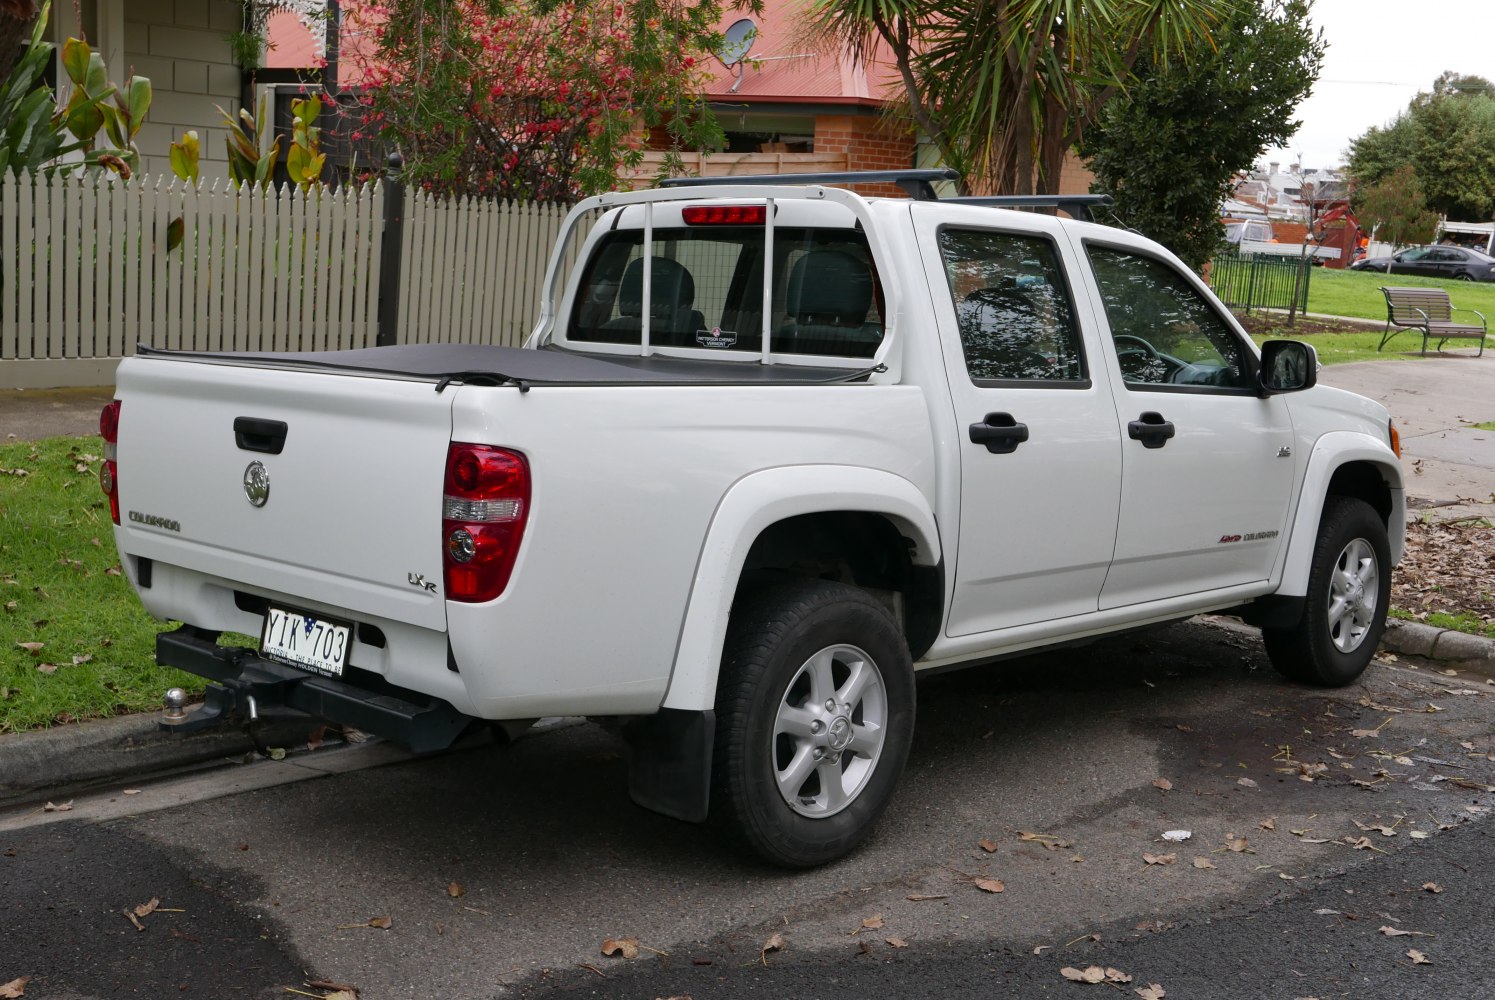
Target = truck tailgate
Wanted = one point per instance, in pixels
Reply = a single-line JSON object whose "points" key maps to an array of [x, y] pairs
{"points": [[353, 511]]}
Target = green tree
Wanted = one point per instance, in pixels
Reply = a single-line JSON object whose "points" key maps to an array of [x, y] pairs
{"points": [[1169, 152], [1396, 208], [1447, 135], [1004, 88], [536, 99]]}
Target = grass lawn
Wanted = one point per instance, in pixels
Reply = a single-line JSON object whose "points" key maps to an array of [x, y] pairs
{"points": [[1336, 343], [1358, 293], [60, 586]]}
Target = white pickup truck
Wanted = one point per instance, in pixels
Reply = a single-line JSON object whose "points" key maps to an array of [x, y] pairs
{"points": [[771, 449]]}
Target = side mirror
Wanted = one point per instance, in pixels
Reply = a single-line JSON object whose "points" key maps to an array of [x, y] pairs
{"points": [[1287, 366]]}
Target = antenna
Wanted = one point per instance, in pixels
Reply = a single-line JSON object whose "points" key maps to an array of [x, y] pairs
{"points": [[737, 42]]}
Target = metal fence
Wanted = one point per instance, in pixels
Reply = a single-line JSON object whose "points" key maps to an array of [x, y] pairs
{"points": [[1261, 281], [90, 267]]}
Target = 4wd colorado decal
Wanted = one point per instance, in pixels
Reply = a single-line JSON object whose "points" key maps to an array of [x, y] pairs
{"points": [[1253, 536]]}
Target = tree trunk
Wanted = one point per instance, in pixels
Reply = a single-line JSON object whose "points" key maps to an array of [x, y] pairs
{"points": [[16, 19]]}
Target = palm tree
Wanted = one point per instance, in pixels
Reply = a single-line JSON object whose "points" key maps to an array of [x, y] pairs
{"points": [[1005, 87]]}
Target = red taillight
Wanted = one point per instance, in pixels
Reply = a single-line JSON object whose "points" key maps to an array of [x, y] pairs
{"points": [[109, 471], [484, 509], [725, 215]]}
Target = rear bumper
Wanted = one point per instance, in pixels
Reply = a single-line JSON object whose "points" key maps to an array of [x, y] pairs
{"points": [[244, 683]]}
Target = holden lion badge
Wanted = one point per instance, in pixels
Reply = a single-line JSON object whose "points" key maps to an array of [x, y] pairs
{"points": [[256, 484]]}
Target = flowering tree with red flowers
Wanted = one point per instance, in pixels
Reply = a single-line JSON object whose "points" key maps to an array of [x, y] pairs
{"points": [[534, 99]]}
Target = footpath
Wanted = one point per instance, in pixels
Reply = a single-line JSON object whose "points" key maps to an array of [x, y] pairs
{"points": [[1448, 467]]}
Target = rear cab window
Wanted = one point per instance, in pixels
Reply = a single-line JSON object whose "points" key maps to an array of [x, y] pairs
{"points": [[706, 291]]}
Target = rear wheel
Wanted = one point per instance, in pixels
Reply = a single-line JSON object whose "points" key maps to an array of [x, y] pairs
{"points": [[815, 713], [1349, 587]]}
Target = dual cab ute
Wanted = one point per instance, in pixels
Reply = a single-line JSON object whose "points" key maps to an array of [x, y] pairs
{"points": [[771, 450]]}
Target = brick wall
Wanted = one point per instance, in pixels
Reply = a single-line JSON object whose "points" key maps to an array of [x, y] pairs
{"points": [[868, 145], [181, 45]]}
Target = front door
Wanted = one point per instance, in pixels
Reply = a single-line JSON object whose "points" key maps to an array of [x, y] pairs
{"points": [[1040, 453], [1208, 465]]}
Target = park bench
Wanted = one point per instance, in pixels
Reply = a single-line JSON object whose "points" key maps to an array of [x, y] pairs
{"points": [[1428, 310]]}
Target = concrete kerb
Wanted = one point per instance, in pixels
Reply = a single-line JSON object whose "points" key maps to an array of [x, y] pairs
{"points": [[1445, 647], [102, 751]]}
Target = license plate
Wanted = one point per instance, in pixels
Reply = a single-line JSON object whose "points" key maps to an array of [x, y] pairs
{"points": [[303, 640]]}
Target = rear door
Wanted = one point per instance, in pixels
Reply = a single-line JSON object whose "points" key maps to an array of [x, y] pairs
{"points": [[1040, 454]]}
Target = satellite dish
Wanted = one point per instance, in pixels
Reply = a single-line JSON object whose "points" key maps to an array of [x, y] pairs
{"points": [[737, 41]]}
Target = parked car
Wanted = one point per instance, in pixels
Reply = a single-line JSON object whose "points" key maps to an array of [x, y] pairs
{"points": [[1253, 230], [761, 459], [1440, 261]]}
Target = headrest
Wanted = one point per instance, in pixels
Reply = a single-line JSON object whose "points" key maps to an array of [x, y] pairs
{"points": [[674, 288], [830, 287]]}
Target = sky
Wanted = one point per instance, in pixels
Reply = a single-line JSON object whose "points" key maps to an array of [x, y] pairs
{"points": [[1381, 53]]}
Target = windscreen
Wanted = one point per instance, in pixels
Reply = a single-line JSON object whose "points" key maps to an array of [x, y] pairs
{"points": [[706, 291]]}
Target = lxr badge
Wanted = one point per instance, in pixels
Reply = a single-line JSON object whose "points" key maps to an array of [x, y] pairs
{"points": [[256, 484]]}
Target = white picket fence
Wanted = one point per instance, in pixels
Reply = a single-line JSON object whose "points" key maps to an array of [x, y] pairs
{"points": [[85, 273]]}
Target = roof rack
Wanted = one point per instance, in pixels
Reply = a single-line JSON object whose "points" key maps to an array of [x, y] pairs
{"points": [[918, 183], [1077, 205]]}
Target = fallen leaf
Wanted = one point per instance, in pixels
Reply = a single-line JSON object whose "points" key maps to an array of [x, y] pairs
{"points": [[1238, 845], [455, 890], [1117, 976], [53, 807], [896, 942], [920, 897], [46, 668], [131, 918], [146, 909], [12, 605], [986, 845], [381, 923], [1049, 842], [989, 884], [1326, 912], [1268, 824], [316, 737], [1418, 958], [1162, 783], [1042, 948], [132, 791], [1092, 974], [1361, 734], [627, 947], [1419, 834], [1433, 887], [32, 647], [1160, 859], [1177, 836], [341, 995], [78, 661], [872, 923], [343, 990], [1246, 783], [1152, 992], [14, 989], [1203, 863], [775, 943], [1398, 932]]}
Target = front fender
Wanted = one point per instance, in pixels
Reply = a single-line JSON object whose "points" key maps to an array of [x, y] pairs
{"points": [[1331, 452], [754, 503]]}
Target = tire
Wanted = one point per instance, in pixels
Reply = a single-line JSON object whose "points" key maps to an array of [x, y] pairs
{"points": [[788, 649], [1464, 277], [1349, 588]]}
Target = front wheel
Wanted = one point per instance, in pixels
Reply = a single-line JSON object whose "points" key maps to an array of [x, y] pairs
{"points": [[1349, 588], [815, 714]]}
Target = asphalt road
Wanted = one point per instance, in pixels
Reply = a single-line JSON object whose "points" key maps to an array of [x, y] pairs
{"points": [[267, 889]]}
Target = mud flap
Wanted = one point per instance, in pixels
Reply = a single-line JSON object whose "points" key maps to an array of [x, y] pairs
{"points": [[669, 762]]}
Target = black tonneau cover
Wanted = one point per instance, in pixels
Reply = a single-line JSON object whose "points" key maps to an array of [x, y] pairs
{"points": [[492, 365]]}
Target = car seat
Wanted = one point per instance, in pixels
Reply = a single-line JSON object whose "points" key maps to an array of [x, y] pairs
{"points": [[829, 294], [672, 321]]}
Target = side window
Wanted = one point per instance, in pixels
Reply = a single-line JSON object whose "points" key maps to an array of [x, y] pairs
{"points": [[1014, 310], [1164, 331]]}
